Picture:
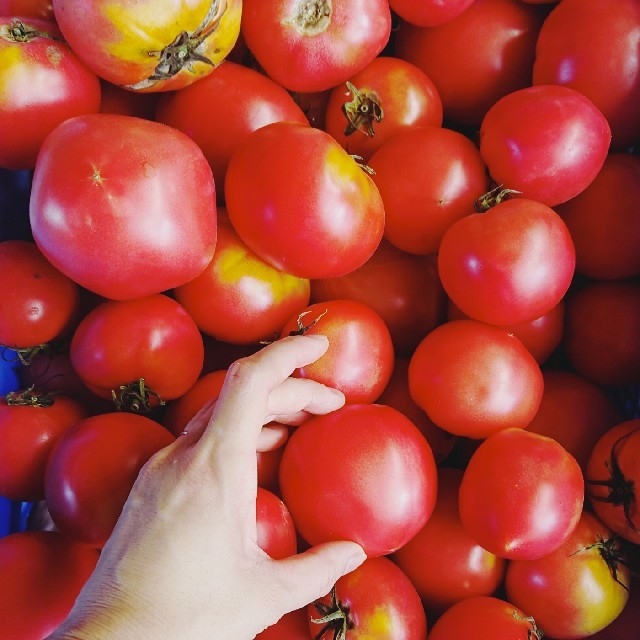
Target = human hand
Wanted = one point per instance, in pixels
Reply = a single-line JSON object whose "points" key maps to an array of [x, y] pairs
{"points": [[183, 561]]}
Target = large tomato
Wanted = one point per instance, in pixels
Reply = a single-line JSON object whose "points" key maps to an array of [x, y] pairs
{"points": [[309, 209], [150, 45], [123, 206], [315, 45], [363, 473]]}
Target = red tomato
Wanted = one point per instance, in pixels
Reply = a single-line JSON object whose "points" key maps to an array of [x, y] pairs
{"points": [[428, 13], [38, 302], [521, 495], [360, 357], [121, 342], [113, 195], [444, 563], [33, 8], [292, 626], [612, 475], [387, 96], [576, 590], [42, 83], [596, 53], [41, 573], [30, 424], [508, 265], [603, 223], [404, 289], [428, 177], [376, 600], [491, 617], [324, 217], [477, 57], [276, 534], [363, 473], [547, 142], [312, 46], [147, 45], [239, 297], [221, 109], [92, 468], [474, 379]]}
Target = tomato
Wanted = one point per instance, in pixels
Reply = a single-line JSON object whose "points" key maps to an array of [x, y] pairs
{"points": [[42, 83], [575, 412], [239, 297], [428, 178], [442, 560], [404, 289], [376, 600], [604, 229], [30, 424], [428, 13], [312, 46], [601, 332], [276, 534], [149, 45], [491, 617], [521, 494], [41, 573], [42, 9], [612, 475], [292, 626], [547, 142], [138, 351], [359, 360], [576, 590], [39, 303], [325, 216], [477, 57], [221, 109], [363, 473], [474, 379], [508, 265], [574, 50], [92, 468], [114, 194], [387, 96]]}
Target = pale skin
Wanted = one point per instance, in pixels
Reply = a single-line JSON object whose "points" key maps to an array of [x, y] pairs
{"points": [[183, 562]]}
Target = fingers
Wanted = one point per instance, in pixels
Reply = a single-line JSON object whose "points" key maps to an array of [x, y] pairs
{"points": [[272, 436]]}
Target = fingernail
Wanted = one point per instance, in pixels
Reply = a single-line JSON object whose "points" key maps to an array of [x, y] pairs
{"points": [[317, 336]]}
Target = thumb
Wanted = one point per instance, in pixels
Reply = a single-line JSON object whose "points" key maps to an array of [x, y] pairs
{"points": [[311, 574]]}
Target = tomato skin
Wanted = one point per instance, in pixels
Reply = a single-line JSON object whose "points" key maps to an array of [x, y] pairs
{"points": [[43, 83], [292, 626], [508, 265], [41, 573], [521, 494], [92, 468], [113, 194], [379, 601], [42, 9], [428, 13], [276, 533], [474, 379], [548, 142], [571, 592], [302, 53], [296, 169], [369, 496]]}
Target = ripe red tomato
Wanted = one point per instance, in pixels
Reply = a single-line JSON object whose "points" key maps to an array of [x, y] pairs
{"points": [[121, 342], [508, 265], [276, 533], [114, 194], [363, 473], [41, 573], [521, 494], [325, 216], [428, 177], [312, 46], [428, 13], [376, 600], [146, 45], [43, 84], [92, 468], [547, 142], [387, 96], [359, 360], [474, 379]]}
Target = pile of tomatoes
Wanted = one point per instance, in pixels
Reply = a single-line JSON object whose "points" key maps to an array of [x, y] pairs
{"points": [[447, 190]]}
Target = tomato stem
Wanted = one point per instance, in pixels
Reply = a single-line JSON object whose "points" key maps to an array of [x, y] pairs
{"points": [[335, 618], [493, 197], [362, 111], [135, 397], [24, 354], [611, 553], [302, 328], [534, 632], [18, 31], [30, 398]]}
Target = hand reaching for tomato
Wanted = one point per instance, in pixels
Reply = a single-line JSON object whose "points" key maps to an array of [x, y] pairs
{"points": [[183, 561]]}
